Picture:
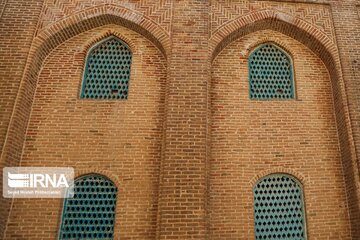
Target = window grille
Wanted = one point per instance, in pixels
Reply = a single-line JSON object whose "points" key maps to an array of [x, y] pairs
{"points": [[90, 214], [278, 208], [107, 71], [270, 74]]}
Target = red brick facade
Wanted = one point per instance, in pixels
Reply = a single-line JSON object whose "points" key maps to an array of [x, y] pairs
{"points": [[187, 146]]}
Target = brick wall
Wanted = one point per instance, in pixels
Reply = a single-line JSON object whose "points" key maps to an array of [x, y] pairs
{"points": [[347, 26], [18, 24], [121, 139], [187, 146], [251, 138], [182, 196]]}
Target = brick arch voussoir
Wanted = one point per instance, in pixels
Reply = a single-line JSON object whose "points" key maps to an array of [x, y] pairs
{"points": [[91, 18], [297, 28], [98, 171], [279, 170]]}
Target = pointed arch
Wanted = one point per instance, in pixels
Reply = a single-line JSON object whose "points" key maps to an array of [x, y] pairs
{"points": [[90, 213], [270, 73], [107, 70], [101, 15], [287, 24]]}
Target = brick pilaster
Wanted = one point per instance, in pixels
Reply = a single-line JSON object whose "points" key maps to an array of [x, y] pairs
{"points": [[347, 26], [182, 194], [18, 23]]}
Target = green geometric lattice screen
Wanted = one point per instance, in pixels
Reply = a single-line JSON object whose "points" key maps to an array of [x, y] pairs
{"points": [[91, 213], [107, 71], [278, 208], [270, 74]]}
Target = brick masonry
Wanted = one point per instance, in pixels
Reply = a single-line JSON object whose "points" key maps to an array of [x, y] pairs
{"points": [[106, 135], [187, 146], [250, 137], [223, 12], [159, 12]]}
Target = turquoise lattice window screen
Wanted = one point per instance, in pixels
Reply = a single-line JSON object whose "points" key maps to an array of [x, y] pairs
{"points": [[270, 73], [91, 213], [107, 71], [279, 208]]}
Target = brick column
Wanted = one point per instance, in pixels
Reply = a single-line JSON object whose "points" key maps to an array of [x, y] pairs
{"points": [[183, 181], [18, 21], [346, 18]]}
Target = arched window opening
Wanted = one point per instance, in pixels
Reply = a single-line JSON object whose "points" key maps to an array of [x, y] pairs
{"points": [[107, 71], [279, 208], [270, 73], [90, 214]]}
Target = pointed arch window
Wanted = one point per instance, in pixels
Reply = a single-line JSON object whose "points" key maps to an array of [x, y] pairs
{"points": [[90, 214], [107, 71], [279, 208], [270, 73]]}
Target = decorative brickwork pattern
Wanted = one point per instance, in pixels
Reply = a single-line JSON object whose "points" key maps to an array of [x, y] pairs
{"points": [[101, 15], [225, 11], [157, 11]]}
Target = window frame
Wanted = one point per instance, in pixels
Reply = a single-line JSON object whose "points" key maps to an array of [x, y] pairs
{"points": [[86, 64], [302, 193], [292, 72], [65, 201]]}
